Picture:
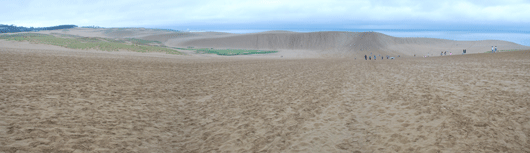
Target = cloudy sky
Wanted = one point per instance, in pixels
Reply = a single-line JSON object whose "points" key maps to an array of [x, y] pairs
{"points": [[270, 14]]}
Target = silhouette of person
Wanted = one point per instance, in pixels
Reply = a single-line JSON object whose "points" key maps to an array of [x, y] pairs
{"points": [[495, 49]]}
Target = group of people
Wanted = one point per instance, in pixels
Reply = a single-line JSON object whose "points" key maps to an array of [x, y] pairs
{"points": [[443, 53], [375, 57], [369, 57], [493, 50]]}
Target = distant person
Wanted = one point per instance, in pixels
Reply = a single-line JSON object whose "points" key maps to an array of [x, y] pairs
{"points": [[450, 53], [365, 58], [492, 51], [375, 57], [370, 58], [445, 53], [382, 57], [495, 49], [441, 53]]}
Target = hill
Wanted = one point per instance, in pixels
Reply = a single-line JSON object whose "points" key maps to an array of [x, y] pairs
{"points": [[347, 43]]}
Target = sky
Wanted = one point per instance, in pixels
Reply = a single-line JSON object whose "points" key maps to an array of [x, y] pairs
{"points": [[271, 14]]}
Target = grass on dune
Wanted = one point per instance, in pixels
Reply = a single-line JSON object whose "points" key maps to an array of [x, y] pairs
{"points": [[105, 44], [229, 52], [141, 41]]}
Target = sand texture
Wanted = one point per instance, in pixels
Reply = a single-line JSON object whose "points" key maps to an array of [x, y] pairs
{"points": [[70, 101], [325, 44], [340, 44], [108, 32]]}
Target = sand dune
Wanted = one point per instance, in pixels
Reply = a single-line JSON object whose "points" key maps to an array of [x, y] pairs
{"points": [[348, 43], [66, 101], [313, 44], [172, 38], [55, 99], [109, 32]]}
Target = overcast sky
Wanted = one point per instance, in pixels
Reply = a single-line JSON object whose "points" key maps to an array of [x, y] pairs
{"points": [[272, 14]]}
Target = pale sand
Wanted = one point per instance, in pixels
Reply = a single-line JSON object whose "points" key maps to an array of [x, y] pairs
{"points": [[63, 100], [108, 32], [334, 44], [347, 44]]}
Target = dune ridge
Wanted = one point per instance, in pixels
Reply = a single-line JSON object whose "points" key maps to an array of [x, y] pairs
{"points": [[303, 45], [57, 99], [347, 43]]}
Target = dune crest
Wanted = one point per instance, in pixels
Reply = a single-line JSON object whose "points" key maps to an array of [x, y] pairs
{"points": [[347, 43]]}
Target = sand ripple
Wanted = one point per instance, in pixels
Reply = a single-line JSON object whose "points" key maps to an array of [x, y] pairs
{"points": [[472, 103]]}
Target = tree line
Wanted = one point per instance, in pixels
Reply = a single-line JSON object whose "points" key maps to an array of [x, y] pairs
{"points": [[12, 28]]}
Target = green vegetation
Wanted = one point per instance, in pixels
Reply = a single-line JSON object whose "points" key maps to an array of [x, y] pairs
{"points": [[231, 52], [141, 41], [228, 52], [104, 44], [186, 48]]}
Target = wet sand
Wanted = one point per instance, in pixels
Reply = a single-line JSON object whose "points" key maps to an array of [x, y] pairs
{"points": [[103, 102]]}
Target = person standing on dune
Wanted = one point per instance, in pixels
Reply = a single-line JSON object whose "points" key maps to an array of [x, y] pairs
{"points": [[375, 57], [495, 49], [492, 51], [370, 58], [365, 57]]}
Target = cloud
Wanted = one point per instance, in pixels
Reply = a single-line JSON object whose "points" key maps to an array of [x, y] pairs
{"points": [[294, 12]]}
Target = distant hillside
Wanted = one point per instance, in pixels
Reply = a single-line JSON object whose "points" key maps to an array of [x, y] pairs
{"points": [[12, 28], [347, 43]]}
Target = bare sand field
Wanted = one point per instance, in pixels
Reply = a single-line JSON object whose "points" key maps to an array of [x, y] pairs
{"points": [[300, 44], [73, 101], [344, 44]]}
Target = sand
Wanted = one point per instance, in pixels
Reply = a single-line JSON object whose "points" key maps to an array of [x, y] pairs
{"points": [[326, 44], [56, 99], [347, 44], [89, 101], [334, 44]]}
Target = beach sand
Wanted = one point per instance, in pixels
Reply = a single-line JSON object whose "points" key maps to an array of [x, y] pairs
{"points": [[90, 101]]}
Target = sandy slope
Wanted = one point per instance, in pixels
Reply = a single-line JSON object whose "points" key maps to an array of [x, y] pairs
{"points": [[302, 45], [69, 101], [55, 99], [109, 32], [349, 43]]}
